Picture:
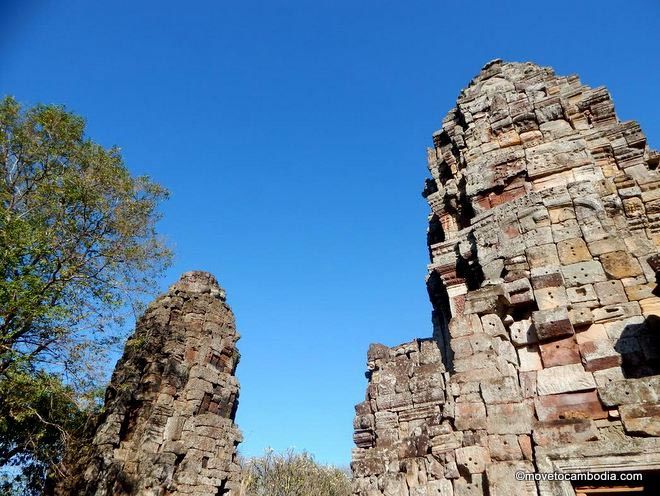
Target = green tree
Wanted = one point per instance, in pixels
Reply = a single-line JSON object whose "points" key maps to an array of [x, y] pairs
{"points": [[77, 244]]}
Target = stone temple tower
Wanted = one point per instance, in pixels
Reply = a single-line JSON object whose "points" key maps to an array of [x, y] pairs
{"points": [[168, 424], [543, 236]]}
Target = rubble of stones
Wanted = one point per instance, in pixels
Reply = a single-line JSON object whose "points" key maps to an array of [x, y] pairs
{"points": [[543, 236], [167, 428]]}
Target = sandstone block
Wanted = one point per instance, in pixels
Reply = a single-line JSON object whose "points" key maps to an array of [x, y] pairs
{"points": [[542, 256], [605, 376], [470, 416], [528, 383], [572, 251], [564, 378], [551, 324], [569, 406], [620, 264], [522, 332], [564, 432], [504, 447], [474, 486], [504, 390], [639, 290], [579, 274], [464, 325], [610, 292], [548, 278], [599, 354], [474, 459], [606, 245], [581, 317], [510, 418], [582, 294], [641, 419], [548, 298], [650, 306], [529, 358], [619, 311], [502, 479], [493, 326], [520, 291], [629, 391], [559, 352], [593, 332], [489, 299]]}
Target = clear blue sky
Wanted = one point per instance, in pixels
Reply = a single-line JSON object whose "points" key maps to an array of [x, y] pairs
{"points": [[292, 136]]}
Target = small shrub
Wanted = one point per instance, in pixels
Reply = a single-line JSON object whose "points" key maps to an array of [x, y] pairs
{"points": [[291, 474]]}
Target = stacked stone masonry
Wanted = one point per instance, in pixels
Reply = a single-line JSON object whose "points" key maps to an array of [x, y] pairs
{"points": [[543, 236], [168, 424]]}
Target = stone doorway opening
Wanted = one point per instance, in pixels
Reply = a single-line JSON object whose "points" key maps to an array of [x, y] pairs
{"points": [[649, 485]]}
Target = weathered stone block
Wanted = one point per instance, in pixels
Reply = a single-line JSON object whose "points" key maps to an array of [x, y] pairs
{"points": [[616, 312], [610, 292], [599, 354], [542, 256], [489, 299], [568, 229], [559, 352], [522, 332], [502, 479], [548, 298], [579, 274], [504, 447], [548, 278], [581, 317], [470, 416], [569, 406], [563, 432], [473, 459], [510, 418], [639, 290], [582, 294], [564, 378], [552, 323], [520, 291], [641, 419], [628, 391], [650, 306], [503, 390], [572, 251], [620, 264], [472, 486], [493, 326], [529, 358], [593, 332], [606, 245], [464, 325]]}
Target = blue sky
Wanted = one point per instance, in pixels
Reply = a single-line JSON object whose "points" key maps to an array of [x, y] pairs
{"points": [[292, 136]]}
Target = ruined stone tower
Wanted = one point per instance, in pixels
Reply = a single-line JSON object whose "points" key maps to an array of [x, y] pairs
{"points": [[168, 423], [543, 236]]}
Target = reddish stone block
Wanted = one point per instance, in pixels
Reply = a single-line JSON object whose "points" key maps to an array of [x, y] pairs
{"points": [[599, 355], [564, 432], [553, 280], [560, 352], [569, 405]]}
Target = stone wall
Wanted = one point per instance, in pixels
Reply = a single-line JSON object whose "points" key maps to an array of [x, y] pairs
{"points": [[543, 236], [168, 423]]}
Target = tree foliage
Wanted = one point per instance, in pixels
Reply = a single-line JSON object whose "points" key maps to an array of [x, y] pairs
{"points": [[77, 243], [291, 474]]}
